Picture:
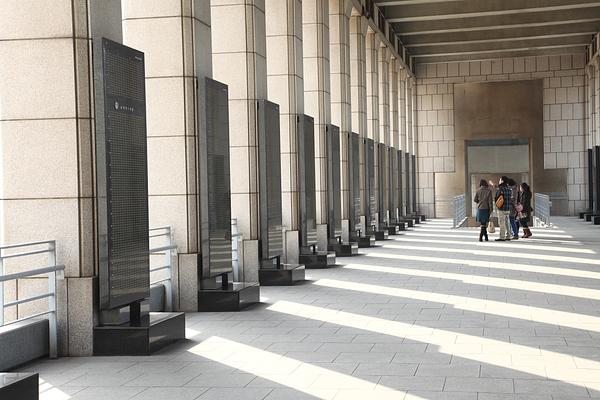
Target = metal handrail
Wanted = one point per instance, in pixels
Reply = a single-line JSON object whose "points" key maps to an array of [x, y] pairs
{"points": [[54, 272], [542, 206], [167, 251], [459, 215]]}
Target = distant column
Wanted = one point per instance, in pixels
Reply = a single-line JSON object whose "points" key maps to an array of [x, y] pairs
{"points": [[239, 60], [286, 88], [317, 101]]}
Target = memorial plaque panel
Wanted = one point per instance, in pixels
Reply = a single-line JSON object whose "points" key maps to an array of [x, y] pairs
{"points": [[382, 178], [122, 174], [407, 169], [413, 185], [370, 182], [400, 183], [591, 176], [354, 162], [597, 177], [215, 193], [393, 191], [334, 181], [270, 180], [308, 202]]}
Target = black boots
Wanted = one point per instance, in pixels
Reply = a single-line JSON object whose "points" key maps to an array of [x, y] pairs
{"points": [[483, 233], [526, 233]]}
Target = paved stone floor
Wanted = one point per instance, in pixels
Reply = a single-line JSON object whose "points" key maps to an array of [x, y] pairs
{"points": [[430, 315]]}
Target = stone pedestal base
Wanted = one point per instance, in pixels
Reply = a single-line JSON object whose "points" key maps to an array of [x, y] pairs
{"points": [[318, 259], [365, 241], [588, 216], [287, 275], [129, 339], [23, 386], [344, 249], [235, 297]]}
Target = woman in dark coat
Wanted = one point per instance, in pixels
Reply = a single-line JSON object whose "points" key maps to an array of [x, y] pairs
{"points": [[524, 201], [484, 201]]}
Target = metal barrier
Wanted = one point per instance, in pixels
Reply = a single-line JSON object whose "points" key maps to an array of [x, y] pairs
{"points": [[541, 212], [459, 215], [52, 271], [165, 250]]}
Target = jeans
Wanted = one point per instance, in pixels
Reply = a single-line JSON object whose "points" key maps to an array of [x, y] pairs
{"points": [[513, 225], [504, 224]]}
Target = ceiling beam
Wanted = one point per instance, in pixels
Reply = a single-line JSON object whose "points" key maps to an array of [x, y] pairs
{"points": [[497, 51], [586, 35], [474, 9], [387, 3], [434, 59], [549, 18], [502, 33]]}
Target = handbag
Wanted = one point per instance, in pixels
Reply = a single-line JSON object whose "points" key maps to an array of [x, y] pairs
{"points": [[500, 201], [519, 208], [491, 228]]}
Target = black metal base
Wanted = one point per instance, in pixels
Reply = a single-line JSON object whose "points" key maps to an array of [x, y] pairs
{"points": [[344, 249], [400, 225], [21, 386], [235, 297], [589, 215], [582, 214], [596, 219], [130, 339], [380, 235], [365, 241], [318, 259], [287, 275], [408, 221], [391, 230]]}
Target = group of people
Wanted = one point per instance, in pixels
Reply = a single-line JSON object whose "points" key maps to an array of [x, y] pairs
{"points": [[513, 205]]}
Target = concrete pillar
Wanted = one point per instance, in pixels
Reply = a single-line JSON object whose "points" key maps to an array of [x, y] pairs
{"points": [[383, 59], [47, 148], [286, 88], [383, 68], [358, 89], [315, 44], [394, 139], [402, 108], [175, 39], [341, 111], [591, 110], [596, 86], [239, 60], [372, 46]]}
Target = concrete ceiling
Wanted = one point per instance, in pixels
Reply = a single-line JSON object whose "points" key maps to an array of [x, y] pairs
{"points": [[459, 30]]}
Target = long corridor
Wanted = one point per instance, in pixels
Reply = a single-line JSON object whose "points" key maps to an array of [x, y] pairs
{"points": [[429, 315]]}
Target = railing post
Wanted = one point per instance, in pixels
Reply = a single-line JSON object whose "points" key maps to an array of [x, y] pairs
{"points": [[169, 284], [52, 328]]}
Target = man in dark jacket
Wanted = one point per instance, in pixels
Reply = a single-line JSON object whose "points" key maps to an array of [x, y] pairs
{"points": [[503, 192]]}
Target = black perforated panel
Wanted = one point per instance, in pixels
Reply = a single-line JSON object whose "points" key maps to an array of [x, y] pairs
{"points": [[270, 182], [334, 181], [308, 202], [354, 163], [215, 182], [122, 180], [370, 182]]}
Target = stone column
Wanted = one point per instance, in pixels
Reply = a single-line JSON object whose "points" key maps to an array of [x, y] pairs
{"points": [[239, 60], [358, 89], [341, 111], [372, 44], [315, 44], [394, 139], [286, 88], [383, 61], [402, 134], [47, 149], [175, 39], [591, 110]]}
